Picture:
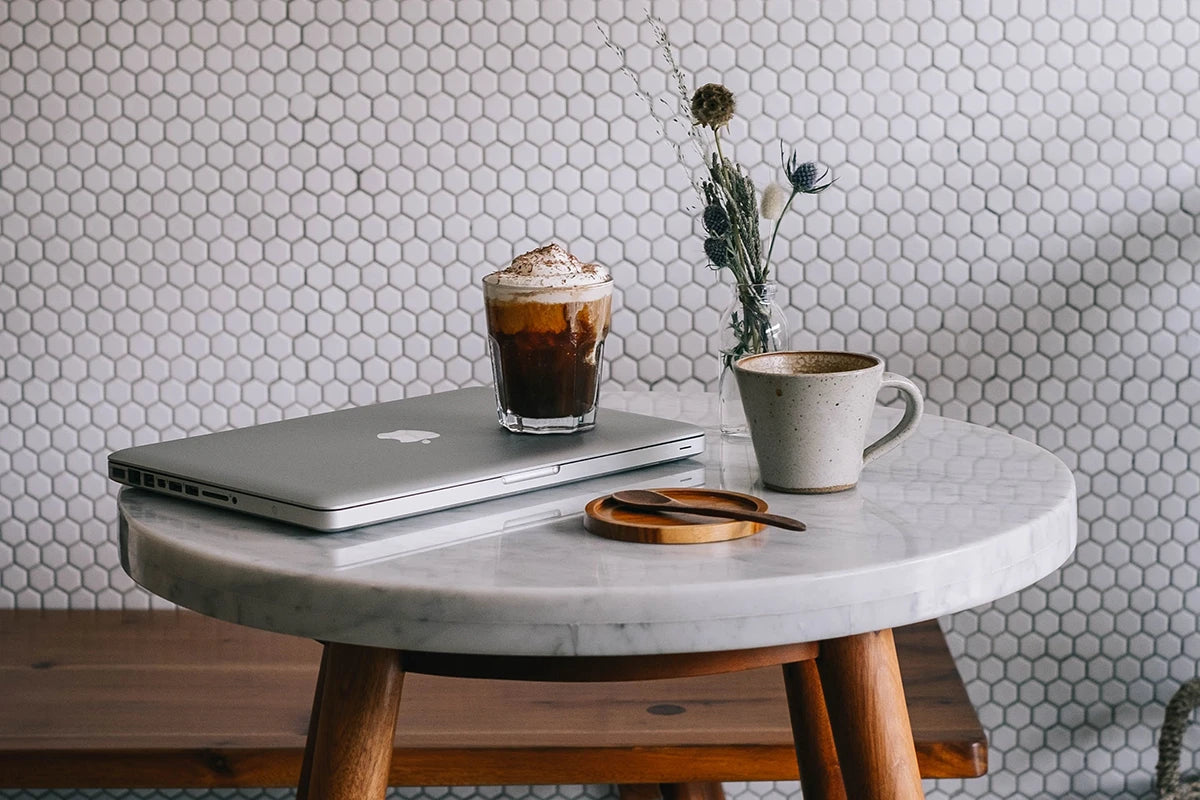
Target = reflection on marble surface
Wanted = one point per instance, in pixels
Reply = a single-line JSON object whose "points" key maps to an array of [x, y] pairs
{"points": [[957, 516]]}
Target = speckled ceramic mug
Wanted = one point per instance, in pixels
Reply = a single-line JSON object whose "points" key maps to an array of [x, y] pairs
{"points": [[808, 414]]}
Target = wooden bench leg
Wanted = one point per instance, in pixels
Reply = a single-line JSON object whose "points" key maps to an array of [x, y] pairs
{"points": [[860, 678], [820, 773], [349, 750], [712, 790], [671, 791], [639, 791]]}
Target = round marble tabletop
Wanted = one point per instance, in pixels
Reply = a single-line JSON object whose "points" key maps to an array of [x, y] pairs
{"points": [[957, 516]]}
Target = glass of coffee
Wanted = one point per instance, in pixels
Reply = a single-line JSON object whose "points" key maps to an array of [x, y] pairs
{"points": [[547, 316]]}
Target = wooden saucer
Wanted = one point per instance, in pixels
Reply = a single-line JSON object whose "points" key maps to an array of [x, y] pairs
{"points": [[605, 517]]}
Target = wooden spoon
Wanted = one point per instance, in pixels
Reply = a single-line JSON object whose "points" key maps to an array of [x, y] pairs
{"points": [[657, 501]]}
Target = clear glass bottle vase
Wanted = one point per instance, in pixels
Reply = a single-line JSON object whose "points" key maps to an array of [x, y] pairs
{"points": [[752, 323]]}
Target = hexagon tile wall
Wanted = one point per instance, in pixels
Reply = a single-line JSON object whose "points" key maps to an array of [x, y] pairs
{"points": [[218, 213]]}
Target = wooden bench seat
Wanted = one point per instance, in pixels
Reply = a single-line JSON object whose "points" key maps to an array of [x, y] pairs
{"points": [[104, 699]]}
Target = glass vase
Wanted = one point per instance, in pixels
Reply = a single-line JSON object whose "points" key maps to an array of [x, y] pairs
{"points": [[752, 323]]}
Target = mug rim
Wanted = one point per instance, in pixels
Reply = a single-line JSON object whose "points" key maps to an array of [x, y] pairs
{"points": [[869, 362]]}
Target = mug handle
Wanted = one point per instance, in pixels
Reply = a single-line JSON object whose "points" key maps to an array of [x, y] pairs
{"points": [[914, 406]]}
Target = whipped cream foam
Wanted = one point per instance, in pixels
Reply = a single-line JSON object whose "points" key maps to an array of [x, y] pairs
{"points": [[549, 267]]}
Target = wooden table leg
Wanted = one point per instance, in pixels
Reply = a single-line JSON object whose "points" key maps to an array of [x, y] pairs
{"points": [[820, 773], [306, 764], [860, 677], [349, 750]]}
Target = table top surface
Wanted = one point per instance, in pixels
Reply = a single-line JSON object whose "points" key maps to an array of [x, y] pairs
{"points": [[957, 516]]}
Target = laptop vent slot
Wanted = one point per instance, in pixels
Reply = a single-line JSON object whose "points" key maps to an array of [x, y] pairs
{"points": [[224, 498]]}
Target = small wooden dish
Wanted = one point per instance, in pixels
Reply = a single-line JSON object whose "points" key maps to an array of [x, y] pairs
{"points": [[605, 517]]}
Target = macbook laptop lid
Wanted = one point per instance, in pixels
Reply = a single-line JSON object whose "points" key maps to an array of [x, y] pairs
{"points": [[359, 466], [439, 530]]}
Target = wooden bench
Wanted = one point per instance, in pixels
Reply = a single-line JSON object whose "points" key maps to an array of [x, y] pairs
{"points": [[112, 699]]}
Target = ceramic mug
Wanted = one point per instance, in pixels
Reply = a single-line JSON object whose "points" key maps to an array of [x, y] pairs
{"points": [[808, 414]]}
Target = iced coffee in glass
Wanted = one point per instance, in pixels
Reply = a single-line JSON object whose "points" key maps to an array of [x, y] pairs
{"points": [[547, 316]]}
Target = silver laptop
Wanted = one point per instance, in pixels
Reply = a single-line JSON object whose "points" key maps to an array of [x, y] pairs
{"points": [[360, 466], [564, 505]]}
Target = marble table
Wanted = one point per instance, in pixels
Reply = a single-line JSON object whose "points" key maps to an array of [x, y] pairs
{"points": [[957, 516]]}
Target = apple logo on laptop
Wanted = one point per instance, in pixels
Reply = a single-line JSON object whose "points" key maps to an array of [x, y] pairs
{"points": [[409, 436]]}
